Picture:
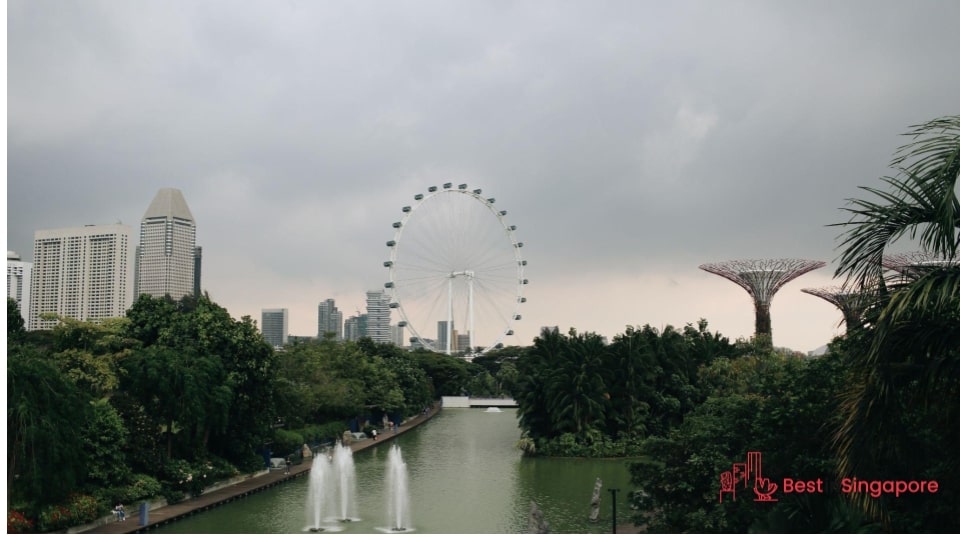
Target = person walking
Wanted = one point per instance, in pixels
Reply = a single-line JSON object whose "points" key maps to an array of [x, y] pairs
{"points": [[374, 434], [288, 467], [121, 515]]}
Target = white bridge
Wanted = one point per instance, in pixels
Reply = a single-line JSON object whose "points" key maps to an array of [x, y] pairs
{"points": [[464, 402]]}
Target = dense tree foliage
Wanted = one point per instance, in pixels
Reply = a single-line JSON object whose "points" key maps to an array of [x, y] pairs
{"points": [[781, 405], [175, 396], [580, 396]]}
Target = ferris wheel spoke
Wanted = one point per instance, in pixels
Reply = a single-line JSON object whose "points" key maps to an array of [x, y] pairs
{"points": [[455, 262]]}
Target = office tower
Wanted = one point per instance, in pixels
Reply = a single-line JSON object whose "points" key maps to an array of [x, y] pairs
{"points": [[442, 337], [84, 273], [329, 320], [378, 316], [273, 326], [166, 260], [396, 335], [18, 284], [355, 327]]}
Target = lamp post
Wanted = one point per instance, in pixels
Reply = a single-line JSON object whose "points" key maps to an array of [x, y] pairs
{"points": [[613, 493]]}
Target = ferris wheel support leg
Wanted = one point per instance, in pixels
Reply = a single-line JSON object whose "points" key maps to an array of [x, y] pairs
{"points": [[449, 313], [470, 311]]}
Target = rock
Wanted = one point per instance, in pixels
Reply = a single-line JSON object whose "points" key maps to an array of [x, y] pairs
{"points": [[536, 524], [595, 502]]}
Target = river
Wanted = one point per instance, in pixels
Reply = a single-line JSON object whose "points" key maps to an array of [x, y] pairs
{"points": [[465, 476]]}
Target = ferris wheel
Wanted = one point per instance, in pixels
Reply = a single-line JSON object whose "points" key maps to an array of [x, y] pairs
{"points": [[456, 271]]}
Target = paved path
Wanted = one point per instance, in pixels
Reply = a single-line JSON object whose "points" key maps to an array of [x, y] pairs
{"points": [[241, 489]]}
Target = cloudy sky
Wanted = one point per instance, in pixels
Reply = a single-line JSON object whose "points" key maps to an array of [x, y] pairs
{"points": [[630, 141]]}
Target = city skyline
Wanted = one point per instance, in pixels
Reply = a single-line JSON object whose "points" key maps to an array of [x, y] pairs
{"points": [[629, 141]]}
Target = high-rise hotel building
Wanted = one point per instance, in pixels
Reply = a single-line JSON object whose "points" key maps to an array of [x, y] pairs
{"points": [[18, 283], [378, 316], [167, 259], [84, 273]]}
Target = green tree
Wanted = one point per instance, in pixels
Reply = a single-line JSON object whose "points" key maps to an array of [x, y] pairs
{"points": [[906, 354], [15, 325], [533, 395], [45, 417], [103, 441], [782, 406], [199, 326], [577, 386], [183, 392]]}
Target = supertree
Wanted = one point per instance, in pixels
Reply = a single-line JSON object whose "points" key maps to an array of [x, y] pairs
{"points": [[851, 302], [914, 264], [762, 278]]}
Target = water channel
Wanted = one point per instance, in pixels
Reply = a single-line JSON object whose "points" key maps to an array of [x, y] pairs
{"points": [[464, 476]]}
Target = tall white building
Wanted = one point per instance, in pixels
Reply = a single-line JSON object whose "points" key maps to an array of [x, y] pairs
{"points": [[329, 319], [273, 325], [167, 257], [18, 283], [378, 316], [84, 273]]}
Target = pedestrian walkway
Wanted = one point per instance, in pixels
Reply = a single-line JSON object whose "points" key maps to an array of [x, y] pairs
{"points": [[253, 484]]}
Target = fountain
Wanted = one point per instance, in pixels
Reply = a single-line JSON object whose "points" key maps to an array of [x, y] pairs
{"points": [[344, 483], [320, 473], [398, 498], [331, 494]]}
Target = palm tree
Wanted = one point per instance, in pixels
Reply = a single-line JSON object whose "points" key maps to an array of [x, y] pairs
{"points": [[906, 355], [577, 387]]}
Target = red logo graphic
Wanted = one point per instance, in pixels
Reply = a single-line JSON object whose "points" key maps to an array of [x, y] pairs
{"points": [[751, 469]]}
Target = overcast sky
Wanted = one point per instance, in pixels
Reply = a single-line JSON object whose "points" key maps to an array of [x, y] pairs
{"points": [[630, 141]]}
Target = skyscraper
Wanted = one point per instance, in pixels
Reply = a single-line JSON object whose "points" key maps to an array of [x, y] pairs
{"points": [[378, 316], [81, 272], [355, 327], [18, 283], [329, 320], [273, 324], [167, 257], [442, 336]]}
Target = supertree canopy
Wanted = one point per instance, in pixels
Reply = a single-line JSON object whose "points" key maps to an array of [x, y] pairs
{"points": [[762, 278], [851, 302], [916, 263]]}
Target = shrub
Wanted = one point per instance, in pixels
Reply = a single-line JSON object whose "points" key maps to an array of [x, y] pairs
{"points": [[17, 523], [180, 475], [55, 518], [286, 442], [85, 508], [141, 487]]}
